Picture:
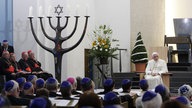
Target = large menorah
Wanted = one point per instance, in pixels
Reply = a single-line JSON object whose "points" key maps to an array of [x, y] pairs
{"points": [[58, 51]]}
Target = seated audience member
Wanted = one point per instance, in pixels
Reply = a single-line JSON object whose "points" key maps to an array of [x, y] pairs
{"points": [[21, 81], [33, 63], [183, 100], [6, 47], [40, 102], [12, 93], [51, 85], [32, 79], [78, 79], [151, 99], [42, 92], [14, 63], [23, 62], [111, 98], [126, 86], [89, 100], [163, 91], [4, 102], [5, 66], [66, 89], [28, 91], [74, 85], [87, 85], [154, 69], [185, 90], [173, 104], [40, 83], [108, 85], [143, 84], [36, 66]]}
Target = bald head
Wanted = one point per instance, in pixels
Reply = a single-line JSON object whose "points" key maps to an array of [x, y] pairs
{"points": [[6, 54]]}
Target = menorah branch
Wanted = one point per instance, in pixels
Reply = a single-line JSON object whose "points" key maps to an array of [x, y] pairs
{"points": [[51, 23], [36, 39], [75, 28], [43, 30]]}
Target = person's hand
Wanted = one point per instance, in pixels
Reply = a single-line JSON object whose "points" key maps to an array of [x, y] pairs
{"points": [[13, 74]]}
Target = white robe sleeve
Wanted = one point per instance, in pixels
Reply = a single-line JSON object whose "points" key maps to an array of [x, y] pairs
{"points": [[164, 67], [148, 68]]}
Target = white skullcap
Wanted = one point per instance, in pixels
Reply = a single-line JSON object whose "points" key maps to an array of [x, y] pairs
{"points": [[155, 53]]}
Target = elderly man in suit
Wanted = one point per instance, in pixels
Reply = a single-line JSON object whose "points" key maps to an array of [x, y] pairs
{"points": [[154, 69], [6, 47]]}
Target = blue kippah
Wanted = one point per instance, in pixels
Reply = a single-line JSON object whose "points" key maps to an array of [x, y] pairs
{"points": [[110, 96], [108, 82], [86, 81], [183, 89], [27, 85], [148, 95], [9, 85], [5, 40], [2, 101], [65, 84], [40, 83], [38, 103], [126, 81], [51, 80], [21, 80], [160, 88], [183, 100], [142, 82], [31, 77]]}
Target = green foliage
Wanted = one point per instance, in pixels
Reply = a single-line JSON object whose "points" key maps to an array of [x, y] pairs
{"points": [[139, 53], [101, 45]]}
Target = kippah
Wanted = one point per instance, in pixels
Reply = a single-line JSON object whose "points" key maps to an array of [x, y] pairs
{"points": [[9, 85], [5, 41], [86, 82], [71, 80], [126, 81], [183, 100], [184, 89], [160, 88], [142, 82], [20, 80], [23, 52], [148, 95], [51, 80], [31, 77], [108, 82], [110, 96], [29, 51], [65, 84], [40, 82], [27, 85], [38, 103]]}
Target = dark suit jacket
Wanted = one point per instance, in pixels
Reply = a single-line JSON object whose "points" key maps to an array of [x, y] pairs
{"points": [[10, 49], [18, 101]]}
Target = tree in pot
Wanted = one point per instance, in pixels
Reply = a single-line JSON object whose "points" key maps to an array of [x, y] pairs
{"points": [[139, 54]]}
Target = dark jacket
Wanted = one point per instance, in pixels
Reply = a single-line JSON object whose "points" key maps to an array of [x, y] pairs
{"points": [[18, 101], [24, 65], [10, 49], [34, 65]]}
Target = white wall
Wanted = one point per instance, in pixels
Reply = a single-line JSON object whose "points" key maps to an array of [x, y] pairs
{"points": [[101, 12], [176, 9]]}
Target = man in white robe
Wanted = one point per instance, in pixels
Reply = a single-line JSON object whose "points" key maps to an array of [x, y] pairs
{"points": [[154, 69]]}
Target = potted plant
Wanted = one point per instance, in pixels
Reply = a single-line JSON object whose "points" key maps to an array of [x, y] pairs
{"points": [[102, 44], [139, 54]]}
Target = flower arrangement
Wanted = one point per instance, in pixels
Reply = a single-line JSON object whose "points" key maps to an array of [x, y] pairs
{"points": [[102, 43], [139, 53]]}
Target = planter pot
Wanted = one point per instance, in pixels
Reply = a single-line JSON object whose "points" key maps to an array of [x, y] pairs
{"points": [[140, 67]]}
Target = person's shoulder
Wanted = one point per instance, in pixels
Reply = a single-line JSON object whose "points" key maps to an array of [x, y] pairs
{"points": [[161, 60]]}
